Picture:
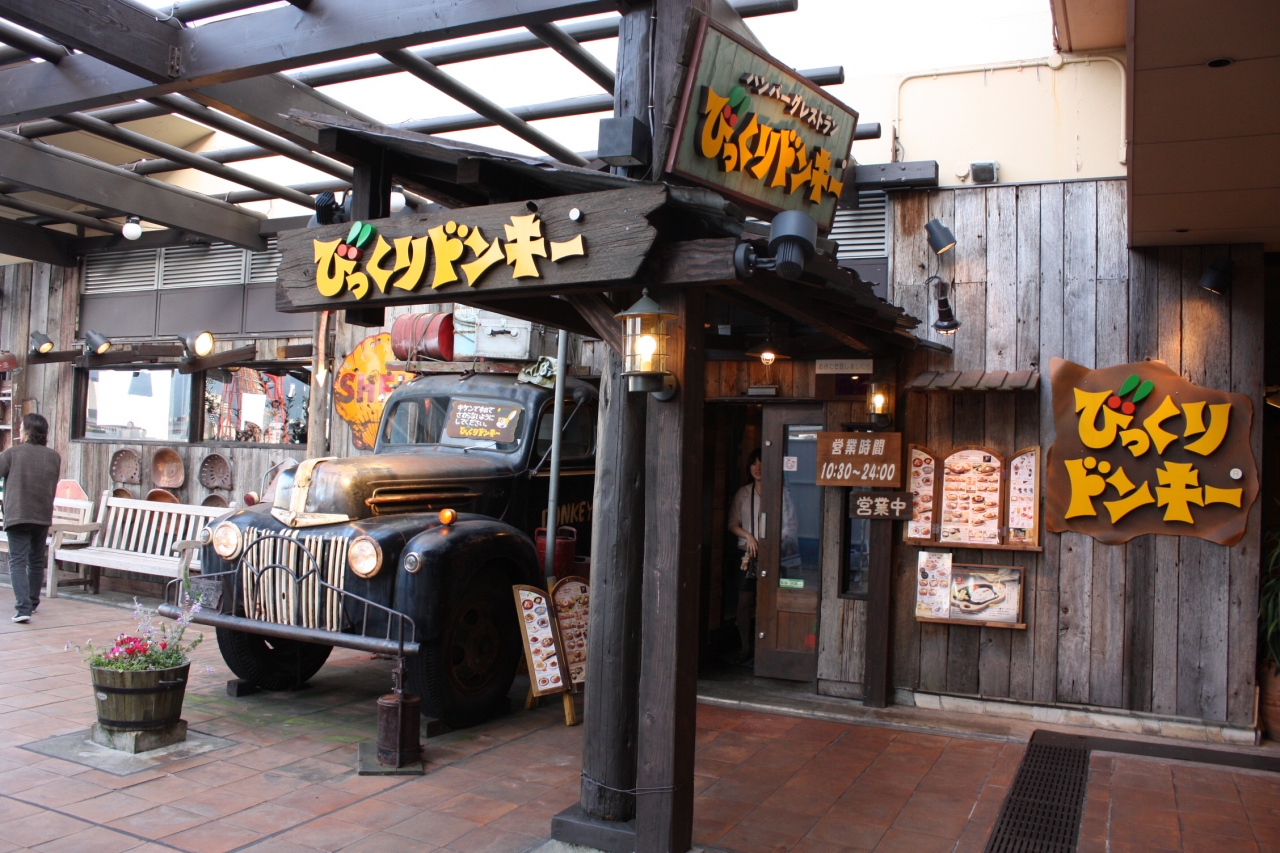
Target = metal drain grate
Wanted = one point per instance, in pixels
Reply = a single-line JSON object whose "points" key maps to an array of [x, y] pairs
{"points": [[1041, 813]]}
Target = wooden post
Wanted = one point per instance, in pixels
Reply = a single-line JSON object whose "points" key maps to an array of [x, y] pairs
{"points": [[613, 634], [370, 199], [672, 565], [879, 588]]}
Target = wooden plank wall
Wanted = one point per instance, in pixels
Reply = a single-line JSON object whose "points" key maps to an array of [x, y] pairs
{"points": [[794, 378], [1164, 623], [40, 298]]}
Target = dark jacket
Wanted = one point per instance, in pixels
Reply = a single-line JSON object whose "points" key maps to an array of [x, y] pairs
{"points": [[30, 474]]}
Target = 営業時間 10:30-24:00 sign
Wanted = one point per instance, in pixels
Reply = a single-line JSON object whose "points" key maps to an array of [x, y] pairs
{"points": [[860, 459]]}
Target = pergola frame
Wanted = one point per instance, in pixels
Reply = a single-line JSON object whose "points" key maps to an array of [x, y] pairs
{"points": [[75, 65]]}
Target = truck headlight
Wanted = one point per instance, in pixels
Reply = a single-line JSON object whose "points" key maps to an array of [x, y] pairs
{"points": [[364, 557], [227, 540]]}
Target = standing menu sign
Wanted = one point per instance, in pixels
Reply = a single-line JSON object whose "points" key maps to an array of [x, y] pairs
{"points": [[542, 645], [923, 466], [572, 598], [971, 497]]}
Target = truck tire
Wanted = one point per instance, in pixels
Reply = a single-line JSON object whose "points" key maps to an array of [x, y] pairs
{"points": [[465, 673], [271, 663]]}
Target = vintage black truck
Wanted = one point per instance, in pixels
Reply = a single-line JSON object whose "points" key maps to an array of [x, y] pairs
{"points": [[414, 547]]}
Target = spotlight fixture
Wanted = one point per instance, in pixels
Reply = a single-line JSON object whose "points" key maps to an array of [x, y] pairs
{"points": [[946, 324], [793, 238], [132, 229], [197, 344], [940, 237], [398, 201], [1217, 278], [41, 343], [96, 343]]}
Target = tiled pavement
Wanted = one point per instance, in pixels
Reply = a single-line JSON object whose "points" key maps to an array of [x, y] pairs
{"points": [[764, 782]]}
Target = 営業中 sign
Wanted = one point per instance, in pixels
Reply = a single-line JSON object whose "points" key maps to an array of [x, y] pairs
{"points": [[753, 129], [1139, 449], [860, 459], [884, 506]]}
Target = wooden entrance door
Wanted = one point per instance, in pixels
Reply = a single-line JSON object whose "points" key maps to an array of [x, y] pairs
{"points": [[789, 582]]}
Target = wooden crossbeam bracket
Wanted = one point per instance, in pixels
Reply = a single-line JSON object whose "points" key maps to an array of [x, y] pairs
{"points": [[218, 359], [113, 31]]}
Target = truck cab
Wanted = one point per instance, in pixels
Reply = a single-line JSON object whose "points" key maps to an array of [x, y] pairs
{"points": [[429, 532]]}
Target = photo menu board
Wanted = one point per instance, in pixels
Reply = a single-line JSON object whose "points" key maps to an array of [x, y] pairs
{"points": [[974, 499], [572, 597], [971, 498], [1024, 497], [990, 596], [542, 646], [923, 476]]}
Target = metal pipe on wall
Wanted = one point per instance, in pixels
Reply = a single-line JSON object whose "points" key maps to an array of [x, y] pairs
{"points": [[553, 486]]}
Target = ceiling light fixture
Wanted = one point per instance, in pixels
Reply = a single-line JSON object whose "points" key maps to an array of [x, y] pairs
{"points": [[132, 229]]}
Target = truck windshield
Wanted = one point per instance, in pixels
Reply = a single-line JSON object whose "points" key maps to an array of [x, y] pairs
{"points": [[455, 422]]}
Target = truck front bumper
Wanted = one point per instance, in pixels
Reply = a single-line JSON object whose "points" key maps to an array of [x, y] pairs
{"points": [[374, 645]]}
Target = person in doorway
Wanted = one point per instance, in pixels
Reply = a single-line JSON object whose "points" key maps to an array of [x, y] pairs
{"points": [[744, 522], [30, 474]]}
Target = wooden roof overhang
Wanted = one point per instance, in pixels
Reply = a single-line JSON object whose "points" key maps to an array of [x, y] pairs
{"points": [[696, 234]]}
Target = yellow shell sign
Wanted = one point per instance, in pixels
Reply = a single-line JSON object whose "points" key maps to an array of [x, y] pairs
{"points": [[361, 386]]}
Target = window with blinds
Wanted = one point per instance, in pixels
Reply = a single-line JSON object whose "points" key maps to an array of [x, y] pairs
{"points": [[864, 232], [200, 265]]}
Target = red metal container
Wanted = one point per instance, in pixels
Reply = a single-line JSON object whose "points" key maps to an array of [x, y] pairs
{"points": [[414, 336], [566, 550]]}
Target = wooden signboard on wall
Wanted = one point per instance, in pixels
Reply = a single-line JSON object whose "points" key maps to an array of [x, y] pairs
{"points": [[860, 459], [1139, 449], [751, 128]]}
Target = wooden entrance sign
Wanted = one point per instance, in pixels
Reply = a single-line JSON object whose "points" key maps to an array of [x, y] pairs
{"points": [[860, 459], [517, 249], [1139, 449], [751, 128]]}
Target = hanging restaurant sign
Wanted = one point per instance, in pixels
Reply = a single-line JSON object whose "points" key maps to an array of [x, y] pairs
{"points": [[1139, 449], [860, 459], [439, 257], [750, 127]]}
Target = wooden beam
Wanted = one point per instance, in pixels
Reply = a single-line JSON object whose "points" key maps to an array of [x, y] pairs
{"points": [[218, 359], [578, 56], [596, 311], [113, 31], [59, 214], [784, 297], [879, 590], [268, 42], [672, 564], [82, 179], [265, 102], [36, 244], [467, 96]]}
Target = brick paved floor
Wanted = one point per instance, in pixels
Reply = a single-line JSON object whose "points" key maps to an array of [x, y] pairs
{"points": [[764, 782]]}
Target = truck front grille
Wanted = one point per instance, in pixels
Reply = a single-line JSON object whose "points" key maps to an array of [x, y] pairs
{"points": [[281, 584]]}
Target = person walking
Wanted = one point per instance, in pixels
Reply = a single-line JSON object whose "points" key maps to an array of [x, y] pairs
{"points": [[30, 474]]}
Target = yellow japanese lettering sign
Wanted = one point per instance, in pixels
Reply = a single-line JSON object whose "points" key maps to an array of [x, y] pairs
{"points": [[753, 129], [1139, 449], [542, 245]]}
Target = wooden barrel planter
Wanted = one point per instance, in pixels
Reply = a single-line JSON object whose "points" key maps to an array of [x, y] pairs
{"points": [[139, 700]]}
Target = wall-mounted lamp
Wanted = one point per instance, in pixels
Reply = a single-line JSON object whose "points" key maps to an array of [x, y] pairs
{"points": [[196, 344], [398, 201], [1217, 278], [132, 229], [940, 237], [946, 324], [95, 343], [41, 344], [878, 396], [644, 347]]}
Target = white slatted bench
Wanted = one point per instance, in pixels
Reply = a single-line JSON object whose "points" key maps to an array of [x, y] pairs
{"points": [[68, 515], [137, 536]]}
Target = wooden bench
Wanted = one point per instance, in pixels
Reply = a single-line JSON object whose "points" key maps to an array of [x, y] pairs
{"points": [[68, 515], [136, 536]]}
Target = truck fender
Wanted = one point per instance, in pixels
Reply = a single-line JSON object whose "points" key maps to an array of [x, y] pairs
{"points": [[449, 557]]}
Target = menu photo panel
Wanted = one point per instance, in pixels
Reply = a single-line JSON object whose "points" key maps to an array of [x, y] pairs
{"points": [[1024, 498], [972, 497], [923, 478]]}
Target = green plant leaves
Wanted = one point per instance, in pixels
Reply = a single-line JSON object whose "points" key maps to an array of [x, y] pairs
{"points": [[1144, 390]]}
